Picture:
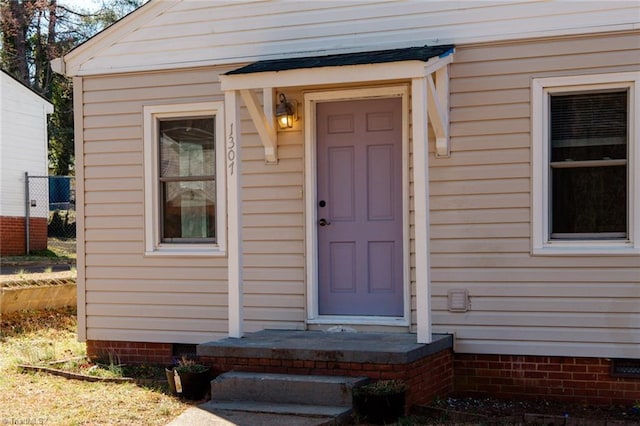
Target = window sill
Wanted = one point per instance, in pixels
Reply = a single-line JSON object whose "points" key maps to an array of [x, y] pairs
{"points": [[186, 250], [586, 249]]}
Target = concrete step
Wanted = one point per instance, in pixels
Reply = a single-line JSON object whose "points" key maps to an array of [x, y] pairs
{"points": [[302, 410], [335, 391], [206, 414]]}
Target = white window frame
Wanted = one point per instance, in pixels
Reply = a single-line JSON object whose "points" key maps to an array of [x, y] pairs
{"points": [[153, 242], [541, 89]]}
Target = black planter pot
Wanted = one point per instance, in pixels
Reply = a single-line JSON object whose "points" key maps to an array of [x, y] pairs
{"points": [[195, 385], [380, 409]]}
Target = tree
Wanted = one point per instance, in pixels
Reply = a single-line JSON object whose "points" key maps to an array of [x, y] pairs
{"points": [[32, 33]]}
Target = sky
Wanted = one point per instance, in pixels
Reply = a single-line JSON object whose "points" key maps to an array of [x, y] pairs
{"points": [[91, 5]]}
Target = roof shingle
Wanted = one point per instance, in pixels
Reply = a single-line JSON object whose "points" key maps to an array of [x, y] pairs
{"points": [[421, 53]]}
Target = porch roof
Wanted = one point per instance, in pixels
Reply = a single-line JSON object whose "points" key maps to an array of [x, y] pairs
{"points": [[420, 53]]}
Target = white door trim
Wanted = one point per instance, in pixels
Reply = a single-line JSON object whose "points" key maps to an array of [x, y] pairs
{"points": [[310, 101]]}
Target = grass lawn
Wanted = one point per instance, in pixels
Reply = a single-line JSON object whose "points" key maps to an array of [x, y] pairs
{"points": [[40, 398]]}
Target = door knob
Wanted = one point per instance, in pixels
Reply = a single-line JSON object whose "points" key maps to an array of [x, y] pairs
{"points": [[323, 222]]}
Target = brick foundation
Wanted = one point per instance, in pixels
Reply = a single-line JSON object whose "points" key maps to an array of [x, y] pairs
{"points": [[131, 352], [571, 379], [12, 236]]}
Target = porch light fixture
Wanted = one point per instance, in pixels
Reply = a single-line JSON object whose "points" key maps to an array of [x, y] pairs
{"points": [[286, 112]]}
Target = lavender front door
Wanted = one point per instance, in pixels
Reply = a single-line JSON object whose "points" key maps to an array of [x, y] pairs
{"points": [[359, 207]]}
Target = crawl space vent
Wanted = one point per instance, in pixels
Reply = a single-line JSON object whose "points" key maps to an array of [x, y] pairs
{"points": [[625, 368], [458, 300]]}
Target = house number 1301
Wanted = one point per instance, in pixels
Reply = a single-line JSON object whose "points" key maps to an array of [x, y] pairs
{"points": [[231, 151]]}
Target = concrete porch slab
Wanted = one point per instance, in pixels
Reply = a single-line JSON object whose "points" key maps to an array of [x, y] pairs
{"points": [[378, 348]]}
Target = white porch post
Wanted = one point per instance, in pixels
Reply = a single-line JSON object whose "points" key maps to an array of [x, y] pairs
{"points": [[234, 212], [420, 137]]}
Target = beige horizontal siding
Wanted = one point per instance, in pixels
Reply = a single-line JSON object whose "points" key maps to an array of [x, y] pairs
{"points": [[99, 222], [271, 180], [167, 271], [516, 260], [155, 311], [481, 214], [513, 275], [479, 201], [130, 296], [139, 80], [171, 324], [274, 233], [471, 216], [498, 230], [552, 318], [581, 61], [271, 219], [273, 247], [497, 96], [179, 334], [114, 171], [487, 186], [159, 93], [119, 276], [187, 285], [549, 48], [122, 247], [124, 146], [110, 158], [122, 283], [479, 172], [155, 298], [115, 197], [585, 335]]}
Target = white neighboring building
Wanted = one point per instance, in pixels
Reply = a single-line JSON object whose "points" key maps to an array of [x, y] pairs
{"points": [[23, 148]]}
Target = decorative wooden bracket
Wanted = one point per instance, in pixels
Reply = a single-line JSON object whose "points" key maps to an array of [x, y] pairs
{"points": [[438, 109], [263, 121]]}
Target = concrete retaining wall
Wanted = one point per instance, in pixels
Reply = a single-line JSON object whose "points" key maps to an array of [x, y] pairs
{"points": [[14, 299]]}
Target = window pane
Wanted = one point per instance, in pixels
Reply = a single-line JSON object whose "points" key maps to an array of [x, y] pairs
{"points": [[187, 147], [189, 210], [589, 126], [589, 200]]}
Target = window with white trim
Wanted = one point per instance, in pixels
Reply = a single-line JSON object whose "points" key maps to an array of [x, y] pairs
{"points": [[184, 179], [585, 164]]}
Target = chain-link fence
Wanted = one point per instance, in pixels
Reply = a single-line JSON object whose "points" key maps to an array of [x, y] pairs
{"points": [[51, 215]]}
